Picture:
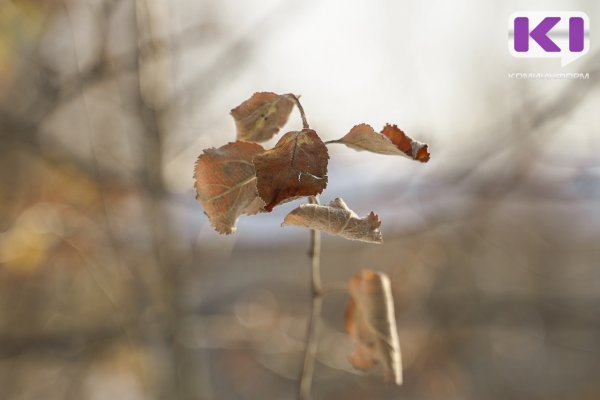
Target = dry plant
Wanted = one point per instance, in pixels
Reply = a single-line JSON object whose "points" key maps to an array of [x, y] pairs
{"points": [[242, 178]]}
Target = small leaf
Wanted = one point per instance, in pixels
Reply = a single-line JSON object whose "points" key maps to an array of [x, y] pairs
{"points": [[295, 167], [260, 117], [336, 219], [370, 321], [226, 184], [391, 141]]}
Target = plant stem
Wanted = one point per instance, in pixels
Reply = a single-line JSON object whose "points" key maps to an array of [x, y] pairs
{"points": [[310, 348], [301, 109]]}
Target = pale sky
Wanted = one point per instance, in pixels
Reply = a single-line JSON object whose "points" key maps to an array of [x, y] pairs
{"points": [[438, 69]]}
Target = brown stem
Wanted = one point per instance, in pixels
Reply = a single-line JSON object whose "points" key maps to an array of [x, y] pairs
{"points": [[300, 108], [310, 348]]}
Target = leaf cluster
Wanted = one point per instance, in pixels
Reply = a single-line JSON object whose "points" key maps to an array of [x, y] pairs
{"points": [[243, 178]]}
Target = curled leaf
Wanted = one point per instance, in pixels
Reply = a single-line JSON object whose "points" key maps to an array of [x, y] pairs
{"points": [[225, 182], [392, 141], [337, 219], [295, 167], [370, 321], [260, 117]]}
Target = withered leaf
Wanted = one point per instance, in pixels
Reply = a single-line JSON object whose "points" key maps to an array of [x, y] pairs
{"points": [[295, 167], [371, 322], [260, 117], [392, 141], [337, 219], [225, 181]]}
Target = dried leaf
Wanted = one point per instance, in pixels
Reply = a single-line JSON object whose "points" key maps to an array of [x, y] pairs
{"points": [[370, 321], [226, 183], [392, 141], [295, 167], [336, 219], [260, 117]]}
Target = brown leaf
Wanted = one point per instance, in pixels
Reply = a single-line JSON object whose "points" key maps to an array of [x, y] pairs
{"points": [[370, 321], [260, 117], [295, 167], [336, 219], [392, 141], [226, 184]]}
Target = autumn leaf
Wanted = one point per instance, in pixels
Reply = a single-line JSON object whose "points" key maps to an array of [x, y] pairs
{"points": [[295, 167], [337, 219], [370, 321], [226, 183], [392, 141], [260, 117]]}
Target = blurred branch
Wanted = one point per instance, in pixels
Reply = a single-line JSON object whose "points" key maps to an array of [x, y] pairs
{"points": [[231, 58], [153, 90], [70, 344], [490, 191], [560, 106]]}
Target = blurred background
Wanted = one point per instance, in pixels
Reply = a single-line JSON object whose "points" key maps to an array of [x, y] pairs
{"points": [[113, 285]]}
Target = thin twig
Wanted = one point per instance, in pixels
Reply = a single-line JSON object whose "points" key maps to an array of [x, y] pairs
{"points": [[300, 108], [310, 349]]}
